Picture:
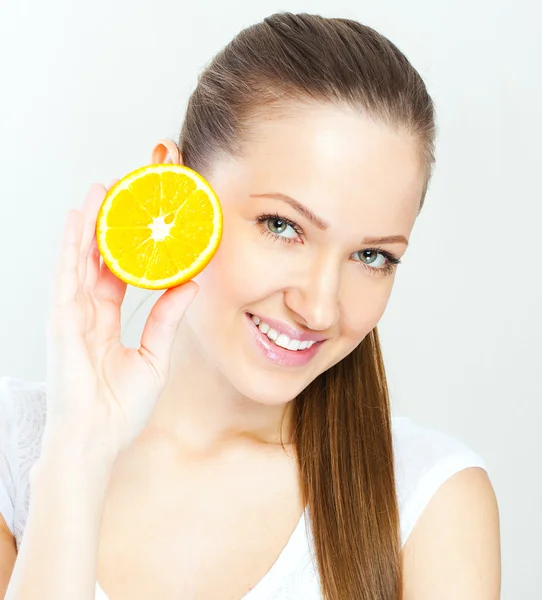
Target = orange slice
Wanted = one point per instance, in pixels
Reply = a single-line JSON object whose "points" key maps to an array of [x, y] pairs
{"points": [[159, 226]]}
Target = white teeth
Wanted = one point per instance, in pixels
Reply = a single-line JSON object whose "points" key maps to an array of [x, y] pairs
{"points": [[294, 345], [281, 340], [272, 334]]}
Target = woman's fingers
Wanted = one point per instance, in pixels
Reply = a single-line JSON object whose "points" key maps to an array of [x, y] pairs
{"points": [[109, 294], [66, 282], [93, 255], [163, 323], [108, 290], [93, 266], [87, 263]]}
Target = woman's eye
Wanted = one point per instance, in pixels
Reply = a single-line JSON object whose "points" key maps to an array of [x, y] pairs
{"points": [[376, 261], [370, 257], [387, 264], [279, 226]]}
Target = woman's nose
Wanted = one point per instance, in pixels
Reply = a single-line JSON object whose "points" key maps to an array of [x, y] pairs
{"points": [[315, 298]]}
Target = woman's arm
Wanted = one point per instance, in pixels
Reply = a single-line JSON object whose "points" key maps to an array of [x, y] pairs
{"points": [[58, 554], [8, 555], [454, 550]]}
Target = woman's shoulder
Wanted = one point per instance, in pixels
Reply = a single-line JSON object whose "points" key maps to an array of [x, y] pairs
{"points": [[424, 459]]}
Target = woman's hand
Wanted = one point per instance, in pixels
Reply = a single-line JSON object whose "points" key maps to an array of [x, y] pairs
{"points": [[101, 394]]}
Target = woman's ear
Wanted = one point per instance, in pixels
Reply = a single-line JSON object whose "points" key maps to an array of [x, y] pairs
{"points": [[166, 152]]}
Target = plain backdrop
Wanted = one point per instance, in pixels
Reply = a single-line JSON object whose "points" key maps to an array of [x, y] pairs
{"points": [[87, 88]]}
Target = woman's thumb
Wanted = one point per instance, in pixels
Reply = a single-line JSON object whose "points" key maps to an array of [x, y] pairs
{"points": [[164, 319]]}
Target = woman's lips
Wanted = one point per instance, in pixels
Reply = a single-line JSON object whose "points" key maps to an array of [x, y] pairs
{"points": [[277, 354]]}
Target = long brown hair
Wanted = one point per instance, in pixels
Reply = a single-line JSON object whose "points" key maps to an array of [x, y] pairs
{"points": [[342, 427]]}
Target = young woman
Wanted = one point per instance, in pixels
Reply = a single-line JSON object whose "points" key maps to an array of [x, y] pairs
{"points": [[213, 462]]}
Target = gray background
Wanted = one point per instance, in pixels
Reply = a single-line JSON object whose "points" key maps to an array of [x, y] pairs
{"points": [[88, 87]]}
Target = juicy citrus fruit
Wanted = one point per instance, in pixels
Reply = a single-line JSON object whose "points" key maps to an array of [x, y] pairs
{"points": [[159, 226]]}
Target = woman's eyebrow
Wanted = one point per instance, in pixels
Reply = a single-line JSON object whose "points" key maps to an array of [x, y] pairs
{"points": [[321, 224], [301, 208]]}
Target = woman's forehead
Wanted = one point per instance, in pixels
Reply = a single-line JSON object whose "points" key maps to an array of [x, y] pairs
{"points": [[331, 158]]}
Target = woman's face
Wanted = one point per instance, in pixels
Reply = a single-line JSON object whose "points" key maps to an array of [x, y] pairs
{"points": [[320, 276]]}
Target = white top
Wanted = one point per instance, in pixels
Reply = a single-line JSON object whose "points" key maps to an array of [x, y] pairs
{"points": [[424, 460]]}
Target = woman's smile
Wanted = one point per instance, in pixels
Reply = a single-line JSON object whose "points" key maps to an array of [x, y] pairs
{"points": [[279, 348]]}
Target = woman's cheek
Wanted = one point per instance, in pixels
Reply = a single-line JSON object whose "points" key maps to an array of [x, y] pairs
{"points": [[363, 302], [244, 258], [231, 269]]}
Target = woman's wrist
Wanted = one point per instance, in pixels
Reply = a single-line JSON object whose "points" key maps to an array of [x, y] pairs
{"points": [[73, 464], [59, 444]]}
